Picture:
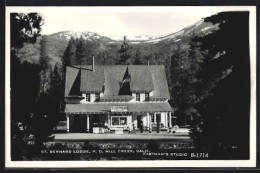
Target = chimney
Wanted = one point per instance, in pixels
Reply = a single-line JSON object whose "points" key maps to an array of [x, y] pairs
{"points": [[147, 61], [93, 63]]}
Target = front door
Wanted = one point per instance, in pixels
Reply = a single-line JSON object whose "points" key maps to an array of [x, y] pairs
{"points": [[139, 121], [78, 124], [96, 121]]}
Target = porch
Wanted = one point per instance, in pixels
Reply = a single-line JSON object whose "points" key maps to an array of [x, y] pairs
{"points": [[85, 118], [91, 123]]}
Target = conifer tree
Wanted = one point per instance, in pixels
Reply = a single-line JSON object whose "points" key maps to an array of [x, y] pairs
{"points": [[224, 82], [80, 51], [137, 56], [178, 78], [44, 63], [56, 93], [69, 56], [44, 58], [124, 52]]}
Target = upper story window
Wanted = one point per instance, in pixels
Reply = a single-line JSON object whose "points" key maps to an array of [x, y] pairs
{"points": [[97, 96], [137, 96], [146, 96], [88, 97]]}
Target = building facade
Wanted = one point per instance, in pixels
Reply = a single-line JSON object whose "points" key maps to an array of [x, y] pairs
{"points": [[126, 97]]}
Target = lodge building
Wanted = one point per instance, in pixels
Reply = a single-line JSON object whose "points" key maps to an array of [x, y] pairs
{"points": [[116, 97]]}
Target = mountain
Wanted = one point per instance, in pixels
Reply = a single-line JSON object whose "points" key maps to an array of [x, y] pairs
{"points": [[198, 29], [58, 42], [134, 38], [66, 35]]}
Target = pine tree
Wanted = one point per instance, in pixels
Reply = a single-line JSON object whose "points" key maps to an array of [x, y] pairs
{"points": [[137, 57], [124, 52], [56, 82], [44, 63], [224, 81], [69, 56], [44, 58], [80, 51], [178, 80], [56, 92]]}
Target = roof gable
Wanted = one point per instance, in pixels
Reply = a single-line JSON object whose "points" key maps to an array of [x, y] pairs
{"points": [[113, 77], [92, 81], [143, 78], [161, 89], [71, 75]]}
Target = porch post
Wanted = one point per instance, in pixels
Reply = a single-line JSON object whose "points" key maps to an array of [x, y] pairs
{"points": [[170, 120], [87, 124], [166, 119], [108, 121], [150, 123], [68, 123], [148, 120]]}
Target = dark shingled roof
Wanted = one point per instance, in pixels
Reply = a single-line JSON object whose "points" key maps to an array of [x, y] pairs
{"points": [[161, 89], [106, 107], [92, 81], [71, 75], [143, 78]]}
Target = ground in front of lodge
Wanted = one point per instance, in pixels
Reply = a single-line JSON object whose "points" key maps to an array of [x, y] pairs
{"points": [[162, 136]]}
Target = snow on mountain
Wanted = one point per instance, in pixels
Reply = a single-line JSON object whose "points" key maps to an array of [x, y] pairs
{"points": [[77, 34], [134, 38], [199, 28], [142, 37]]}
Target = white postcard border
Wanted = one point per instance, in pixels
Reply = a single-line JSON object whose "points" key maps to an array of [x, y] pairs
{"points": [[140, 163]]}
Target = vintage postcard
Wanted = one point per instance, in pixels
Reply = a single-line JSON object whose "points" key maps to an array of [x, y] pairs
{"points": [[127, 86]]}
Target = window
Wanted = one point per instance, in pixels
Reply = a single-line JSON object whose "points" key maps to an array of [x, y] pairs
{"points": [[88, 97], [152, 118], [137, 96], [97, 96], [146, 96], [155, 118], [119, 121]]}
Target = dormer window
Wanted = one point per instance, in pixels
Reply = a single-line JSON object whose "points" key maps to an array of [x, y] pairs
{"points": [[146, 96], [137, 96], [97, 97], [88, 97]]}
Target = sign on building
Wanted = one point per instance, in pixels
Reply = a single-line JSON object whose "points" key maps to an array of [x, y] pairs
{"points": [[118, 108]]}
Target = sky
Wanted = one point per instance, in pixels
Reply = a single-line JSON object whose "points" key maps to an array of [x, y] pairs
{"points": [[120, 21]]}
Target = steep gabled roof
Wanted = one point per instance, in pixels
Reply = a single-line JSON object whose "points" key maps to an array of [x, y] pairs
{"points": [[161, 89], [113, 77], [92, 81], [141, 78], [144, 78], [71, 75]]}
